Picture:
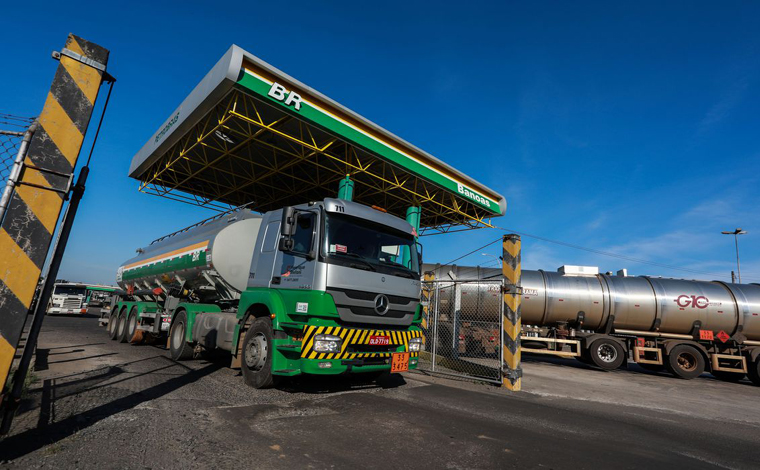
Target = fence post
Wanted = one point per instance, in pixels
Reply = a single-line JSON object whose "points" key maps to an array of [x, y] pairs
{"points": [[512, 291], [35, 204]]}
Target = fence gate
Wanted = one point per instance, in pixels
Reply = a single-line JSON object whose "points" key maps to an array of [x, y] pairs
{"points": [[463, 332]]}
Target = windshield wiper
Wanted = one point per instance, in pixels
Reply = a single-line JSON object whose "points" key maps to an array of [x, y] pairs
{"points": [[360, 258]]}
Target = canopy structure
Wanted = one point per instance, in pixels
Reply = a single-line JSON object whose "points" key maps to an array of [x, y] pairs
{"points": [[250, 134]]}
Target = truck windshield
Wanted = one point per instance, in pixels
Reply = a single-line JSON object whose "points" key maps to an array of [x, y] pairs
{"points": [[362, 244], [69, 290]]}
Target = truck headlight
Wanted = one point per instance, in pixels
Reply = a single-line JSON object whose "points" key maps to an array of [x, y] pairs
{"points": [[327, 343], [415, 345]]}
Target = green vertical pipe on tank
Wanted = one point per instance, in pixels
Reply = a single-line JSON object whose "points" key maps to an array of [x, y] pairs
{"points": [[413, 217], [346, 189]]}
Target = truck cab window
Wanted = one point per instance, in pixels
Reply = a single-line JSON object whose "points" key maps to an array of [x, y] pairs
{"points": [[304, 234]]}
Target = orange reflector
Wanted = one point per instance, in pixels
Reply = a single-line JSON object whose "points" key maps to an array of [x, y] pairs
{"points": [[378, 208]]}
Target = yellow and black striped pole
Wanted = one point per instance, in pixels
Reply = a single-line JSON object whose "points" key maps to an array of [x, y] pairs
{"points": [[511, 368], [30, 219]]}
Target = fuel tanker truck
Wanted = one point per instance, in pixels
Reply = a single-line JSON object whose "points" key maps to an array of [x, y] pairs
{"points": [[684, 326], [329, 287]]}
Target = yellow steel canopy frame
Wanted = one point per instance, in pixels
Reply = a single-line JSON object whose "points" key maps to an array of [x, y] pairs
{"points": [[247, 149]]}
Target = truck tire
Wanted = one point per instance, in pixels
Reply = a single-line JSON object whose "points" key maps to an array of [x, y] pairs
{"points": [[685, 362], [180, 349], [132, 324], [727, 376], [753, 371], [257, 354], [121, 326], [113, 321], [606, 354]]}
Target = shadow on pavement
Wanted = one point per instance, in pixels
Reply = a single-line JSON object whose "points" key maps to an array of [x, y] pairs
{"points": [[21, 444], [341, 383]]}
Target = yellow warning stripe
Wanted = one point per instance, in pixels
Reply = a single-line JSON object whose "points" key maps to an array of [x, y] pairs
{"points": [[61, 129], [17, 271], [353, 336]]}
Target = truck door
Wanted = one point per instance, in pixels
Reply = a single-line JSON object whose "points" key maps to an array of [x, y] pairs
{"points": [[296, 270], [263, 261]]}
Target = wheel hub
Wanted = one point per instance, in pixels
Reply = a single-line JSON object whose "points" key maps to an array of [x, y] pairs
{"points": [[607, 353], [256, 352], [686, 362]]}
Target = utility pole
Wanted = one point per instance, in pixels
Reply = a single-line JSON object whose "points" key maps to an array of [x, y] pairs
{"points": [[736, 234]]}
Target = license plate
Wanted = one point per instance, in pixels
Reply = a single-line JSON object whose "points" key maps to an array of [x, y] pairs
{"points": [[400, 362], [379, 340]]}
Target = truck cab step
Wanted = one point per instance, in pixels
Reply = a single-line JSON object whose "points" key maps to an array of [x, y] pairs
{"points": [[289, 347], [286, 372], [292, 324]]}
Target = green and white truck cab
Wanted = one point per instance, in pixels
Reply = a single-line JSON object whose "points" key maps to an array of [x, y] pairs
{"points": [[328, 287]]}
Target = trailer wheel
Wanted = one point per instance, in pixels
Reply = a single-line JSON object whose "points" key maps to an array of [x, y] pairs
{"points": [[685, 362], [113, 320], [606, 354], [753, 371], [727, 376], [179, 349], [121, 329], [132, 324], [257, 354]]}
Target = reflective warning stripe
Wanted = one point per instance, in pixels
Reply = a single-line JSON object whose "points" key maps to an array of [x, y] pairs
{"points": [[353, 337], [33, 212]]}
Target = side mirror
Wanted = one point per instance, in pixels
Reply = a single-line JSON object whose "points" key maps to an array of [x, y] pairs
{"points": [[288, 224], [287, 228], [286, 243]]}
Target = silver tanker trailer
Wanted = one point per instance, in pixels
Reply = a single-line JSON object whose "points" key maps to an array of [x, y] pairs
{"points": [[328, 287], [684, 326]]}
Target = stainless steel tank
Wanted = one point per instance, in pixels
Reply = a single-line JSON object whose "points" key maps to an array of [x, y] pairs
{"points": [[213, 257], [637, 302]]}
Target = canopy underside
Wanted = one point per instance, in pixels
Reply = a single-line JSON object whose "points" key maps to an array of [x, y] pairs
{"points": [[248, 151]]}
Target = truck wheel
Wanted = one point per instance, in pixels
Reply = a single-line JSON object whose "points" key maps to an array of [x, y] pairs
{"points": [[132, 325], [179, 349], [257, 354], [685, 362], [606, 354], [121, 333], [113, 321], [753, 371], [727, 376]]}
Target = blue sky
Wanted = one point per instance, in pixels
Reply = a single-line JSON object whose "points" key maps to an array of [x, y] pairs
{"points": [[628, 128]]}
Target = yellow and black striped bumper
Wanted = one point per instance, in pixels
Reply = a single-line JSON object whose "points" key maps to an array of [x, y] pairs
{"points": [[353, 340]]}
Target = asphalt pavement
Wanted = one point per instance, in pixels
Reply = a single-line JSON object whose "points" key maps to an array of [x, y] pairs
{"points": [[100, 404]]}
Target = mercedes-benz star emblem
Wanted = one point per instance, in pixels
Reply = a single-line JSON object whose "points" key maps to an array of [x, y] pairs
{"points": [[381, 304]]}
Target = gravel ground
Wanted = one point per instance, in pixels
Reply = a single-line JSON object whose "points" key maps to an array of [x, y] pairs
{"points": [[100, 404]]}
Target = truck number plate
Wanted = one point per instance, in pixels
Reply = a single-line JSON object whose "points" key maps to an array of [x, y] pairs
{"points": [[379, 340], [400, 362]]}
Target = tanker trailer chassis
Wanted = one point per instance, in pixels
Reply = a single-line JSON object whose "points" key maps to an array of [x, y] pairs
{"points": [[682, 326]]}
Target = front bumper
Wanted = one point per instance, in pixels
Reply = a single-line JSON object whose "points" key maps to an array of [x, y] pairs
{"points": [[359, 351]]}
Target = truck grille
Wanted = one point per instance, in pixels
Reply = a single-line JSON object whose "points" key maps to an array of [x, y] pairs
{"points": [[72, 304]]}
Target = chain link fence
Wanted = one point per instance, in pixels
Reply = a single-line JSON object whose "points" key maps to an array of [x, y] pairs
{"points": [[463, 332], [12, 131]]}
